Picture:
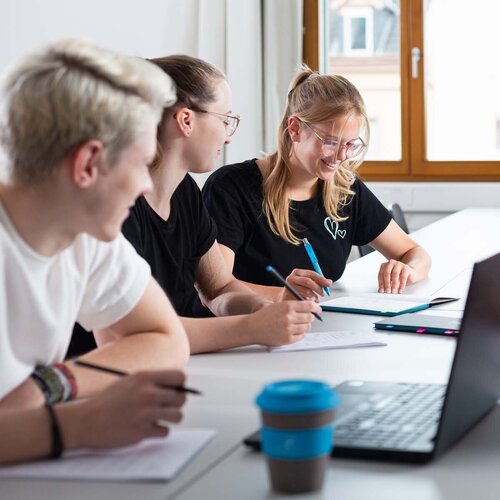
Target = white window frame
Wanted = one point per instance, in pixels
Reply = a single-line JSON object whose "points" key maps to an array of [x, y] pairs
{"points": [[348, 15]]}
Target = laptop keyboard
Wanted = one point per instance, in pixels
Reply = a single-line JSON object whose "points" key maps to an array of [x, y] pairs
{"points": [[392, 421]]}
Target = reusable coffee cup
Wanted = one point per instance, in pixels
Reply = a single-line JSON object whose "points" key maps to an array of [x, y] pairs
{"points": [[297, 432]]}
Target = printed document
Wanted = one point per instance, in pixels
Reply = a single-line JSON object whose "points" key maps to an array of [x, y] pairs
{"points": [[332, 340]]}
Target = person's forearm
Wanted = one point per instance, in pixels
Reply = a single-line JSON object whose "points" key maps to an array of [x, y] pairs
{"points": [[236, 298], [237, 303], [144, 351], [215, 334], [420, 261], [265, 293], [25, 435]]}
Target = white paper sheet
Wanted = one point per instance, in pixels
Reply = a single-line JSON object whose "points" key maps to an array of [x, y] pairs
{"points": [[151, 459], [378, 302], [331, 340]]}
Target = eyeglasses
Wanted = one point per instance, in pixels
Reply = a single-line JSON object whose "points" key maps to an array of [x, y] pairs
{"points": [[231, 122], [330, 147]]}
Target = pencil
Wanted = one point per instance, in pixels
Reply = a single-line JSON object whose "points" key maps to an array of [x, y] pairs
{"points": [[121, 373], [289, 287]]}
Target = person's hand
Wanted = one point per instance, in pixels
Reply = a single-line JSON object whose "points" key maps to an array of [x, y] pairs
{"points": [[308, 283], [281, 323], [394, 276], [129, 410], [24, 396]]}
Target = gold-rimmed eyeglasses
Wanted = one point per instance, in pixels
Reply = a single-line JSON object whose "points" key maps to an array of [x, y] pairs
{"points": [[331, 147], [231, 122]]}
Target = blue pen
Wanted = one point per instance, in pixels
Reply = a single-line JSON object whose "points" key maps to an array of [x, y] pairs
{"points": [[314, 262]]}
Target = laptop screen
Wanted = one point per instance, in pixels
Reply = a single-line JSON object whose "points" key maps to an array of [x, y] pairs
{"points": [[474, 385]]}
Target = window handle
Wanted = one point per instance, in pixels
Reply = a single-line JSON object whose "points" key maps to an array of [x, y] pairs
{"points": [[415, 59]]}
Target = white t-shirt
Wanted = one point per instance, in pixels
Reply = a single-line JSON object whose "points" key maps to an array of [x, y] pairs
{"points": [[92, 282]]}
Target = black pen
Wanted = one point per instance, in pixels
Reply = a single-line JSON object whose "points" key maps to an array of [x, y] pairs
{"points": [[121, 373], [289, 287]]}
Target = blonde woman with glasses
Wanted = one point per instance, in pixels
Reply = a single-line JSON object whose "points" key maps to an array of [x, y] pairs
{"points": [[171, 228], [308, 189]]}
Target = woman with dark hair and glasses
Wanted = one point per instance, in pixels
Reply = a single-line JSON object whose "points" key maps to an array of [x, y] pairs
{"points": [[308, 189], [171, 228]]}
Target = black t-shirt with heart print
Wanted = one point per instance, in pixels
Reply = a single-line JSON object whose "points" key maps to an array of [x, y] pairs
{"points": [[233, 196]]}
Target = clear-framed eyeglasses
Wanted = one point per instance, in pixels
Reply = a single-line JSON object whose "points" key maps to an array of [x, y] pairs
{"points": [[231, 122], [330, 147]]}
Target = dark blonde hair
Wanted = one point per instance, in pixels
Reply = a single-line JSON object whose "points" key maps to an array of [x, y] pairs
{"points": [[194, 80], [313, 98]]}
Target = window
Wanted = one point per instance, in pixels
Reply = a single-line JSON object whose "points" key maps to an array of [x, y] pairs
{"points": [[430, 80], [357, 27]]}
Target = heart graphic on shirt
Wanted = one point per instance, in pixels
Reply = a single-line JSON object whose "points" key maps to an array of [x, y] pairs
{"points": [[332, 227]]}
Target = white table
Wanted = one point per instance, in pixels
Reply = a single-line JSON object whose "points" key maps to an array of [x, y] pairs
{"points": [[230, 381], [469, 470]]}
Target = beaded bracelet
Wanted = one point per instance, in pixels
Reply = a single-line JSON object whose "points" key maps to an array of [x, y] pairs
{"points": [[57, 383], [68, 380], [56, 446]]}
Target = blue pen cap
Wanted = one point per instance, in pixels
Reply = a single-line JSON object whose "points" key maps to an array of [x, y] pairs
{"points": [[297, 396]]}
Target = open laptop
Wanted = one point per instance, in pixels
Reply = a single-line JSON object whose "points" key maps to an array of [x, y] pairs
{"points": [[418, 422]]}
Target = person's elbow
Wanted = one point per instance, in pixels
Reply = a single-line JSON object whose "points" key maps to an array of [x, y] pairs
{"points": [[175, 344]]}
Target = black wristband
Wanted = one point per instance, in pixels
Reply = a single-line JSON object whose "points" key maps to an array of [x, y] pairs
{"points": [[56, 445]]}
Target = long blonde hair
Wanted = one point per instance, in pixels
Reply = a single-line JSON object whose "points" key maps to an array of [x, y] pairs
{"points": [[313, 98]]}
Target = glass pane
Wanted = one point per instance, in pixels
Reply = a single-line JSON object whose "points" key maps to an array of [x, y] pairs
{"points": [[362, 43], [462, 80], [358, 26]]}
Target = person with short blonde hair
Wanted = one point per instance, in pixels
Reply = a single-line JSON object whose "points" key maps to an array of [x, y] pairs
{"points": [[309, 189], [62, 96], [78, 130]]}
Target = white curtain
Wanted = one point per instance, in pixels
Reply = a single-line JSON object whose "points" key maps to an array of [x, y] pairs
{"points": [[258, 44], [283, 21]]}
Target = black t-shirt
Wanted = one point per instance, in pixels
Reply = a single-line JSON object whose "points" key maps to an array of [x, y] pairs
{"points": [[173, 247], [233, 196]]}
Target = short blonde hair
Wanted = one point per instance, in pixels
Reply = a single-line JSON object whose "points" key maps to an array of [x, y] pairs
{"points": [[68, 93]]}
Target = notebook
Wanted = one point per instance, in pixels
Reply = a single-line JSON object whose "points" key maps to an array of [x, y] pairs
{"points": [[152, 459], [420, 323], [418, 422], [383, 304]]}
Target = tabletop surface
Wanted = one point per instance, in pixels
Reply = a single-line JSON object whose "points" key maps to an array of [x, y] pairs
{"points": [[231, 379]]}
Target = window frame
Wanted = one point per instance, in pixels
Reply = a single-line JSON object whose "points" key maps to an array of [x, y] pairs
{"points": [[358, 13], [413, 165]]}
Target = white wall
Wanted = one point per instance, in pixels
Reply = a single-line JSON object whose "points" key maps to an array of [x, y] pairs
{"points": [[426, 202], [153, 28], [142, 28]]}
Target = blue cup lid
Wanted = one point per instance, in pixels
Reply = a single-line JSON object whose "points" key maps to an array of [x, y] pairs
{"points": [[297, 396]]}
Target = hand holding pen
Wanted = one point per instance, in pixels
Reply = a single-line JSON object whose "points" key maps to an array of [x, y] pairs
{"points": [[136, 406], [314, 261], [289, 287]]}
